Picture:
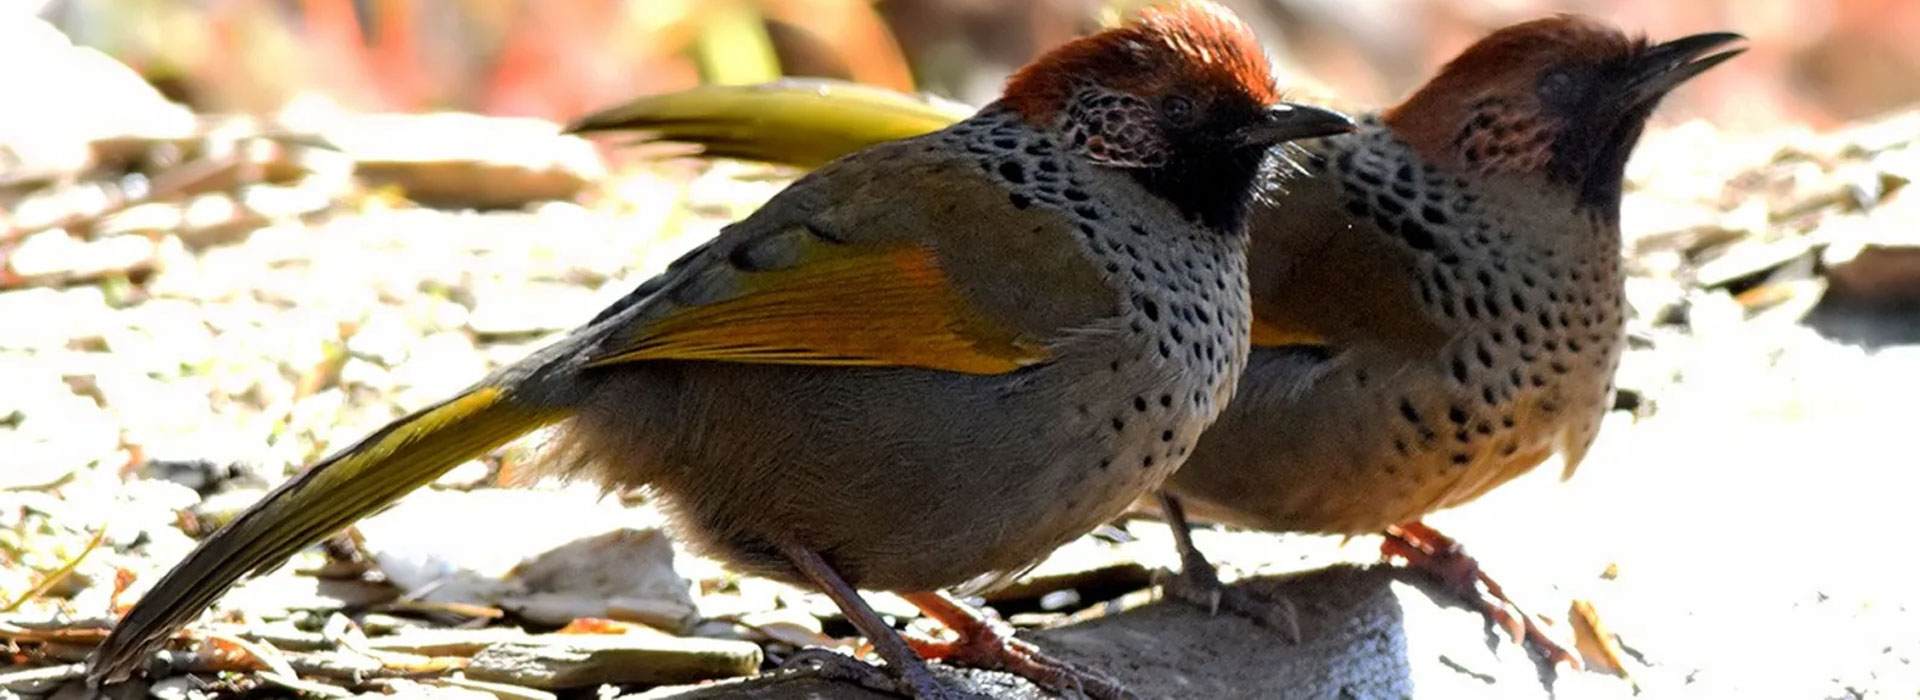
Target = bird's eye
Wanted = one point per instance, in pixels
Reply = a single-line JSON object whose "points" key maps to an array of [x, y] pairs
{"points": [[1559, 87], [1178, 109]]}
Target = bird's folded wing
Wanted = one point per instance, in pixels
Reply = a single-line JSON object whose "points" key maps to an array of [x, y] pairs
{"points": [[1323, 277], [951, 278], [874, 306]]}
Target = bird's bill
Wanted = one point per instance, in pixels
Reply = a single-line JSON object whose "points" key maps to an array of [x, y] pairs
{"points": [[1288, 122], [1665, 66]]}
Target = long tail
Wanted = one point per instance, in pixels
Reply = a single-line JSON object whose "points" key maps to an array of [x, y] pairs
{"points": [[353, 483], [798, 122]]}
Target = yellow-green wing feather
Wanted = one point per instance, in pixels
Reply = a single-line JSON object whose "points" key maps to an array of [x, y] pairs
{"points": [[799, 122]]}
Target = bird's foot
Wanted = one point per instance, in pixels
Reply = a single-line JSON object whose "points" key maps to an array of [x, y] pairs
{"points": [[827, 664], [990, 644], [1426, 549], [1200, 587]]}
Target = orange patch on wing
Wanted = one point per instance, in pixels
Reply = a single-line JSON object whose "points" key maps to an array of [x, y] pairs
{"points": [[882, 308], [1267, 334]]}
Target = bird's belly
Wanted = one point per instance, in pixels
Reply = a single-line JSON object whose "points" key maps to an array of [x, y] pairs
{"points": [[902, 479], [1349, 457]]}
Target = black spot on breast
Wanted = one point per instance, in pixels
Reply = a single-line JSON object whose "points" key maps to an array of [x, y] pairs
{"points": [[1433, 215], [1166, 436], [1118, 424], [1087, 212], [1389, 205], [1457, 414], [1416, 235], [1020, 201], [1166, 401], [1460, 370], [1146, 462], [1013, 173], [1075, 195], [1407, 411], [1140, 404]]}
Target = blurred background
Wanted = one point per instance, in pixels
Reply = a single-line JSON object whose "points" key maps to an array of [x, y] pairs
{"points": [[238, 234], [1813, 62]]}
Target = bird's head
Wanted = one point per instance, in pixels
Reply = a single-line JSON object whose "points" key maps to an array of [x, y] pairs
{"points": [[1564, 98], [1182, 96]]}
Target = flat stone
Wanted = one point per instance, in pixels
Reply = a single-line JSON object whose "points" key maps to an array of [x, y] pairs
{"points": [[556, 661]]}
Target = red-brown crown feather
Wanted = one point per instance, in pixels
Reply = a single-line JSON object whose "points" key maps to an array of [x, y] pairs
{"points": [[1504, 64], [1195, 47]]}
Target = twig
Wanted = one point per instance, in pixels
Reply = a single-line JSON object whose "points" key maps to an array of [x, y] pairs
{"points": [[53, 578]]}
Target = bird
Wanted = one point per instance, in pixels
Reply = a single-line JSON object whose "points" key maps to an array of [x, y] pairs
{"points": [[925, 362], [1438, 299]]}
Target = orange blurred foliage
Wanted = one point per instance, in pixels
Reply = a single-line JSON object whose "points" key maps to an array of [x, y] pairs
{"points": [[1817, 62]]}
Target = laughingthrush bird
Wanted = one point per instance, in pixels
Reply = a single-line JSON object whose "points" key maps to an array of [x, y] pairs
{"points": [[925, 362], [1437, 302]]}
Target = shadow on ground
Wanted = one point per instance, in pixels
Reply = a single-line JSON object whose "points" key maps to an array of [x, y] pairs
{"points": [[1375, 632]]}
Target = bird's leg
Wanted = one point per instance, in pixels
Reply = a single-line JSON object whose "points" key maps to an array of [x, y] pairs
{"points": [[990, 644], [907, 669], [1199, 584], [1426, 549]]}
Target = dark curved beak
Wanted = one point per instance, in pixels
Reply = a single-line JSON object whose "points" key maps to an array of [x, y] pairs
{"points": [[1287, 121], [1665, 66]]}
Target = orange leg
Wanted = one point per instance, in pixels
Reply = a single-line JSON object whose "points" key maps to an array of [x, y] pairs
{"points": [[990, 644], [1425, 548]]}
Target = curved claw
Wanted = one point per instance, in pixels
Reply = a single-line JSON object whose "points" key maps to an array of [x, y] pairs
{"points": [[827, 664], [1425, 548], [991, 644], [1202, 588]]}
